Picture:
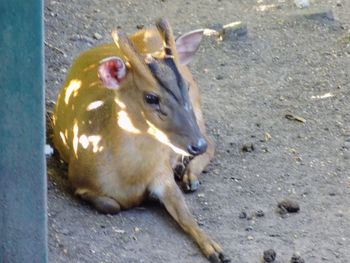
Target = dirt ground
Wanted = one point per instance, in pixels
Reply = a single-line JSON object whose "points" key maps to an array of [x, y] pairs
{"points": [[289, 63]]}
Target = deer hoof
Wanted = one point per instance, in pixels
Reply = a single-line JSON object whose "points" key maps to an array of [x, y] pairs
{"points": [[221, 258], [190, 183]]}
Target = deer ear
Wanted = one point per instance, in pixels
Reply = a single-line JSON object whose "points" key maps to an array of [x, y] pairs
{"points": [[112, 71], [187, 45]]}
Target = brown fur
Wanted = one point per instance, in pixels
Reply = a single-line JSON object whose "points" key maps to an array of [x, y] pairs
{"points": [[117, 170]]}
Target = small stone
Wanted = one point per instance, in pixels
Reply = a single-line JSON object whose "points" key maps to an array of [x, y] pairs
{"points": [[97, 36], [248, 147], [346, 145], [137, 230], [140, 26], [200, 223], [339, 214], [297, 259], [302, 3], [249, 228], [118, 231], [267, 136], [242, 215], [288, 206], [259, 213], [250, 238], [269, 255]]}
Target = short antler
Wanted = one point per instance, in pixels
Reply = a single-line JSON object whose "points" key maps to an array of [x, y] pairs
{"points": [[166, 32]]}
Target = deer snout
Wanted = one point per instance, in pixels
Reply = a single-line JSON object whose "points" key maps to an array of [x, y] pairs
{"points": [[197, 148]]}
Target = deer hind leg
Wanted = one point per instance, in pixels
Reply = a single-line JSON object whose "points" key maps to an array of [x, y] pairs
{"points": [[190, 182], [87, 188], [170, 195], [101, 203]]}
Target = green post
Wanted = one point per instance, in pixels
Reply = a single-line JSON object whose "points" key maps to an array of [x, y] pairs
{"points": [[23, 217]]}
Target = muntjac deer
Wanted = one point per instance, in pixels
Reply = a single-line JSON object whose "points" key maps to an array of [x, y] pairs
{"points": [[126, 116]]}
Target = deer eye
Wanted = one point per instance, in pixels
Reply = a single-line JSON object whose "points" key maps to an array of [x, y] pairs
{"points": [[151, 99]]}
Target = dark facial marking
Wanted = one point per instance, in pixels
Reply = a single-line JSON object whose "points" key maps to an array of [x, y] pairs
{"points": [[179, 80], [166, 72]]}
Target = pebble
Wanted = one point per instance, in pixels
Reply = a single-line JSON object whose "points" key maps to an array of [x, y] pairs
{"points": [[288, 206], [97, 36], [259, 213], [242, 215], [119, 231], [247, 147], [269, 255], [302, 3], [249, 228], [297, 259]]}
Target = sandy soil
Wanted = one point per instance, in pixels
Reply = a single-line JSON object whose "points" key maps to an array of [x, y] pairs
{"points": [[287, 64]]}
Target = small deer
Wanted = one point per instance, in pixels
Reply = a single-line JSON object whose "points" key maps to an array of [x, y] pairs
{"points": [[127, 114]]}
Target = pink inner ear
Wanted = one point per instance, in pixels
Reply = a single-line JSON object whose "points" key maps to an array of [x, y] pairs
{"points": [[111, 72], [187, 45]]}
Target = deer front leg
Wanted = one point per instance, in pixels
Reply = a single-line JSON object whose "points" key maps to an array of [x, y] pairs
{"points": [[170, 195], [190, 182]]}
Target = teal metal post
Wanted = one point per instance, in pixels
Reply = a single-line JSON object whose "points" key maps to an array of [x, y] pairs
{"points": [[23, 217]]}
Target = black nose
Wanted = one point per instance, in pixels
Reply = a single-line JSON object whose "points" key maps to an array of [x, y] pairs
{"points": [[198, 148]]}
